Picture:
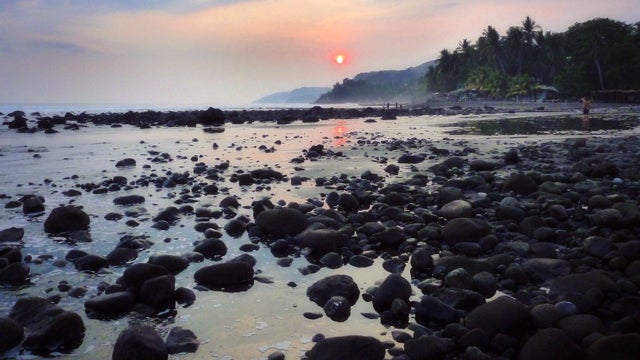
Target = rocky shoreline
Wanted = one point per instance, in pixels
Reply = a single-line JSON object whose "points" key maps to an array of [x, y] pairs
{"points": [[528, 251], [218, 117]]}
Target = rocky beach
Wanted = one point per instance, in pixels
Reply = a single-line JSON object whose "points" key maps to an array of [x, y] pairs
{"points": [[453, 231]]}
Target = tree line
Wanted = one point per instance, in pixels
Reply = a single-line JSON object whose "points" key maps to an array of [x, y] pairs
{"points": [[599, 54]]}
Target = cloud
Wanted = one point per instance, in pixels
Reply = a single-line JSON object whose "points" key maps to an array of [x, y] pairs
{"points": [[106, 6], [59, 46], [226, 50]]}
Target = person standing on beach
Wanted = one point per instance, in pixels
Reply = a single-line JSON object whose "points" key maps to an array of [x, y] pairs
{"points": [[586, 105], [586, 108]]}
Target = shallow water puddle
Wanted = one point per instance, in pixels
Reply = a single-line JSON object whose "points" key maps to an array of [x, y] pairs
{"points": [[542, 125]]}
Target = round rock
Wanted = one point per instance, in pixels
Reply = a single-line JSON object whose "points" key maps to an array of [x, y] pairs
{"points": [[225, 275], [335, 285], [347, 347], [140, 342], [501, 315], [66, 219]]}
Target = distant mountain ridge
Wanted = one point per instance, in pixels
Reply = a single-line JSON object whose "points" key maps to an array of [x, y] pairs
{"points": [[389, 76], [303, 95], [373, 86], [404, 86]]}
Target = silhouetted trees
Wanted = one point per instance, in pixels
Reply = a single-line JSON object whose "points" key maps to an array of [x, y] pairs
{"points": [[597, 54]]}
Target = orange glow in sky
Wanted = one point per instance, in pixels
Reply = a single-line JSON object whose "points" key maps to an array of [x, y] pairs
{"points": [[206, 52]]}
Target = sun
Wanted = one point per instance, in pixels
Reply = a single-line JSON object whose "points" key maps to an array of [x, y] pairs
{"points": [[339, 59]]}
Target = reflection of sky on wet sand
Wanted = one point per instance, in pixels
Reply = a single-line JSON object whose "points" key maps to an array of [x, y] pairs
{"points": [[339, 130], [252, 325]]}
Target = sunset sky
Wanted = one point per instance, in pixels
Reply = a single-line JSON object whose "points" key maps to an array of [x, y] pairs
{"points": [[226, 52]]}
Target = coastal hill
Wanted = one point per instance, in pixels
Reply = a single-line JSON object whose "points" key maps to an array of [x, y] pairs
{"points": [[303, 95], [395, 76], [374, 86], [380, 86]]}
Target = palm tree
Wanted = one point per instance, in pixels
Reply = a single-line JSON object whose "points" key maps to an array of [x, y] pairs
{"points": [[532, 38], [513, 47], [552, 57], [489, 47], [529, 31]]}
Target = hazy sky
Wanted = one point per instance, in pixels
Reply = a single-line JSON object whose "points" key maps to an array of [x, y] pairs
{"points": [[224, 52]]}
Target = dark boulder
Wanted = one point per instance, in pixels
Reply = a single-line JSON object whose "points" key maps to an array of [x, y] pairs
{"points": [[394, 286], [520, 184], [460, 299], [465, 230], [229, 202], [618, 347], [171, 215], [12, 234], [49, 327], [135, 275], [421, 260], [335, 285], [280, 222], [607, 218], [33, 204], [321, 241], [226, 275], [360, 261], [211, 248], [128, 200], [352, 347], [18, 122], [512, 156], [90, 263], [185, 297], [581, 283], [14, 274], [108, 306], [543, 269], [121, 256], [173, 263], [66, 219], [456, 209], [11, 254], [579, 326], [550, 344], [503, 315], [348, 202], [139, 342], [332, 260], [391, 236], [482, 165], [508, 212], [12, 334], [337, 308], [212, 117], [235, 228], [159, 292], [181, 340], [426, 347], [126, 162], [411, 158], [431, 309], [446, 264]]}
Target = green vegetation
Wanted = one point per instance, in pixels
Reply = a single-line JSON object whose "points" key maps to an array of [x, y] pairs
{"points": [[380, 86], [598, 54]]}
